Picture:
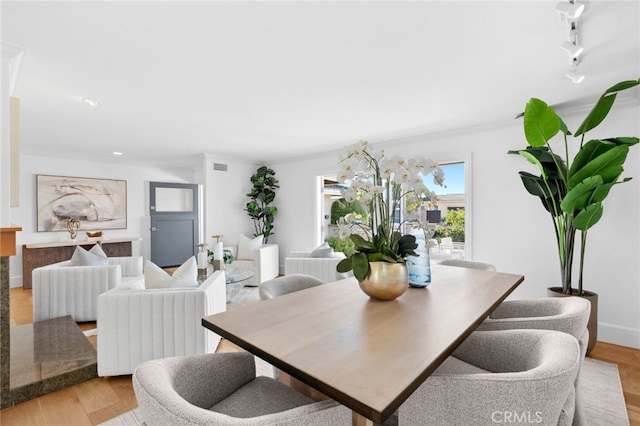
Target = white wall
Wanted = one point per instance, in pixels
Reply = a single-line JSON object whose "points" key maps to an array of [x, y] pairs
{"points": [[137, 177], [516, 236], [225, 200]]}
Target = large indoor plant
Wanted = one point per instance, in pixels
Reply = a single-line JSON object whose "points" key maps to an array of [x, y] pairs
{"points": [[383, 186], [572, 189], [259, 207]]}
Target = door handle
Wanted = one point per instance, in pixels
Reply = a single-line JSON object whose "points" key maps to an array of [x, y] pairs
{"points": [[153, 229]]}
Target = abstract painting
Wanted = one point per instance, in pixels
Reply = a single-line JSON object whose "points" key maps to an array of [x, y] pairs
{"points": [[97, 203]]}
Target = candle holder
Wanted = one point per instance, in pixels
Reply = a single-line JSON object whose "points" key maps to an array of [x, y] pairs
{"points": [[218, 254], [201, 260]]}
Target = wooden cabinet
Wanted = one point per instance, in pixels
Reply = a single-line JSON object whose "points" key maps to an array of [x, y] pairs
{"points": [[41, 254]]}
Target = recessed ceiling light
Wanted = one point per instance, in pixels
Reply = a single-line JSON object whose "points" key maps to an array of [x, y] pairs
{"points": [[90, 102], [116, 153]]}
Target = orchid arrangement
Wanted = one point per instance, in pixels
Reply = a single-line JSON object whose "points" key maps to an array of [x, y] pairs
{"points": [[383, 186]]}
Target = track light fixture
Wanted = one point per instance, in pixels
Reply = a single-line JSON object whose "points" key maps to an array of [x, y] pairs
{"points": [[570, 11], [572, 47], [573, 73]]}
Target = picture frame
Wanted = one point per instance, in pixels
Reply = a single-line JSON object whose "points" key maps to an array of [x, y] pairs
{"points": [[98, 204]]}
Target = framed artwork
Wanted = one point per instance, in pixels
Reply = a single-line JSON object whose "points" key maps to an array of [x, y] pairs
{"points": [[96, 203]]}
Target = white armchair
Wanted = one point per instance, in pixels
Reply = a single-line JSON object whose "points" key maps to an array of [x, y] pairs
{"points": [[323, 268], [61, 289], [266, 263], [140, 325]]}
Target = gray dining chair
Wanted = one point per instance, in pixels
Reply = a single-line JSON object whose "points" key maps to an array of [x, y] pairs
{"points": [[472, 264], [222, 389], [286, 284], [567, 314], [496, 375]]}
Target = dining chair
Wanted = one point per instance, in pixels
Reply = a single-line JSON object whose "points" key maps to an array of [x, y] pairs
{"points": [[287, 284], [496, 376], [472, 264], [567, 314], [222, 389]]}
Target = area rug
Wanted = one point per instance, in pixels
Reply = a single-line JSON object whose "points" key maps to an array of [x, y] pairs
{"points": [[602, 392], [600, 385]]}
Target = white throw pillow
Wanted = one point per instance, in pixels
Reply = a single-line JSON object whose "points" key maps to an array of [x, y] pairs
{"points": [[248, 246], [81, 257], [322, 251], [185, 276], [97, 250]]}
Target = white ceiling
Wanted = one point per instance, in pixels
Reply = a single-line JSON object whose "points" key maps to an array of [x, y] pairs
{"points": [[261, 81]]}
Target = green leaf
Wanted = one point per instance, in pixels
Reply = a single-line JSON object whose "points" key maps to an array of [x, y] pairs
{"points": [[623, 85], [577, 198], [360, 264], [344, 265], [588, 152], [597, 114], [535, 185], [588, 217], [623, 140], [541, 122], [361, 244], [601, 109], [605, 165]]}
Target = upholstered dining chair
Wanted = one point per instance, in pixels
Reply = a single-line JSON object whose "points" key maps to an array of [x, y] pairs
{"points": [[287, 284], [222, 389], [567, 314], [495, 376], [472, 264]]}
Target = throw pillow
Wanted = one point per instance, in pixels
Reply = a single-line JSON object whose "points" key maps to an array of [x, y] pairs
{"points": [[81, 257], [185, 276], [248, 246], [323, 250], [97, 250]]}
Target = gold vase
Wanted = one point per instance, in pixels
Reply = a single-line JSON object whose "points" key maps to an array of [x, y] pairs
{"points": [[385, 281]]}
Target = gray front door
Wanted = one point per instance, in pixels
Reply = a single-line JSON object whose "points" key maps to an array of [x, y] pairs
{"points": [[174, 222]]}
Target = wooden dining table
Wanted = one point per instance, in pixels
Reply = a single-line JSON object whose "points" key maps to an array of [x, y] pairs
{"points": [[368, 355]]}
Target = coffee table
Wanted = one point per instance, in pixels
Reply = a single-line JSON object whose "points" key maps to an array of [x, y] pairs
{"points": [[366, 354], [235, 280]]}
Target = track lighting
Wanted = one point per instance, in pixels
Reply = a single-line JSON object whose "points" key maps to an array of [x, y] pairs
{"points": [[573, 73], [572, 46], [573, 49], [570, 11], [90, 102]]}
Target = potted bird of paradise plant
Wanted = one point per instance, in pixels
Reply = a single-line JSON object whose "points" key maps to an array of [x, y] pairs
{"points": [[572, 190]]}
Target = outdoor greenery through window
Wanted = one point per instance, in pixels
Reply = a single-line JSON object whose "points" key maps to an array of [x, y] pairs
{"points": [[446, 214]]}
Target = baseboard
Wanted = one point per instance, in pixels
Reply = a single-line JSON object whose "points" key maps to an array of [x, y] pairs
{"points": [[15, 282], [619, 335]]}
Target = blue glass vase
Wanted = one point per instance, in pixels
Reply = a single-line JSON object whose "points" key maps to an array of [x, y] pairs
{"points": [[419, 267]]}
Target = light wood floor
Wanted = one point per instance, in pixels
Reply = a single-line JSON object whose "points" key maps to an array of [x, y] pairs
{"points": [[97, 400]]}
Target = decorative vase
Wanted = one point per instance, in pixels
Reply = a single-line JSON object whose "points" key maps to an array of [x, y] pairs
{"points": [[385, 281], [419, 267], [592, 325]]}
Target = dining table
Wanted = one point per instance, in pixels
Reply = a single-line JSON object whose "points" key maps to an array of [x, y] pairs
{"points": [[366, 354]]}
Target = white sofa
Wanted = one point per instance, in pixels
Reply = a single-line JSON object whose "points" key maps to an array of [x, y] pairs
{"points": [[266, 264], [61, 289], [139, 325], [323, 268]]}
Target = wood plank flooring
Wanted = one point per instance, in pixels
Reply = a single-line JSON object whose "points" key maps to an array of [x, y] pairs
{"points": [[98, 400]]}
